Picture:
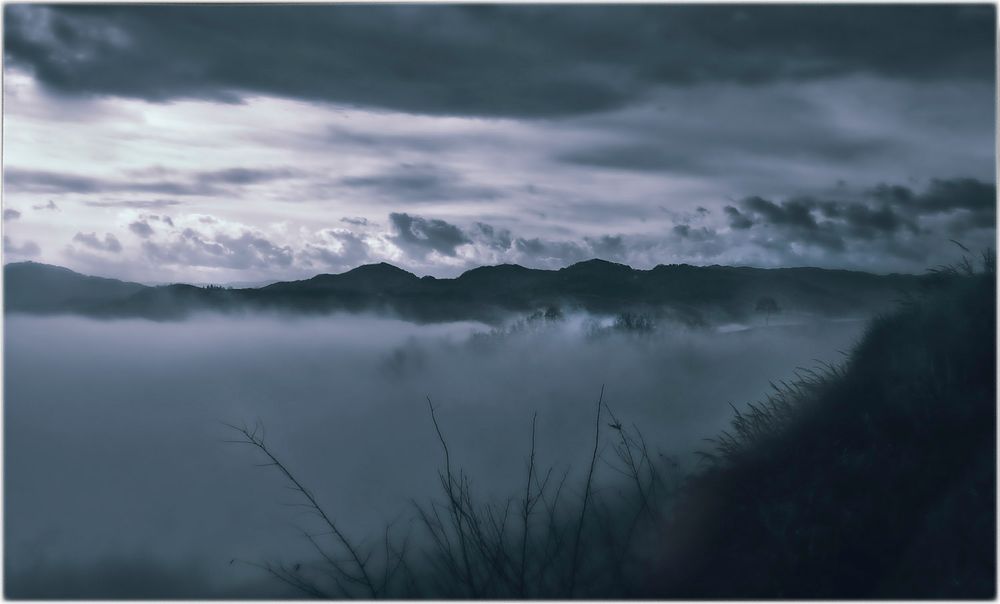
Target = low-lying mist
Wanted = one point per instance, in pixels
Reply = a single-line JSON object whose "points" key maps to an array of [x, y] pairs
{"points": [[119, 479]]}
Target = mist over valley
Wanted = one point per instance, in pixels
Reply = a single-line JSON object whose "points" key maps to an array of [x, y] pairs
{"points": [[115, 446]]}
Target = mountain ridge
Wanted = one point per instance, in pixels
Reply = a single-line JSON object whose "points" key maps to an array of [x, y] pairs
{"points": [[485, 293]]}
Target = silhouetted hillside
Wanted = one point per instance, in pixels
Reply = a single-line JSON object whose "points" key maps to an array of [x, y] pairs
{"points": [[488, 293], [876, 480], [42, 288]]}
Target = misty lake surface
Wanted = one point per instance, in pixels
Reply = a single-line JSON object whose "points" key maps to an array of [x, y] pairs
{"points": [[116, 454]]}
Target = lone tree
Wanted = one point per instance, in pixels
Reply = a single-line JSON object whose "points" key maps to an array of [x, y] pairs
{"points": [[768, 306]]}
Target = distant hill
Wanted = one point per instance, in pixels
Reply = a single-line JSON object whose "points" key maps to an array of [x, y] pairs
{"points": [[488, 293], [43, 288]]}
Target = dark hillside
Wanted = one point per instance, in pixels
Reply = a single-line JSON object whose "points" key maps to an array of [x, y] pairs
{"points": [[42, 288], [490, 293], [874, 481]]}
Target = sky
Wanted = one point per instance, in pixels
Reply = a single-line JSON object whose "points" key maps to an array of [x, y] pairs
{"points": [[253, 143]]}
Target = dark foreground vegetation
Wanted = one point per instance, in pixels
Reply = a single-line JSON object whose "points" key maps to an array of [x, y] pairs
{"points": [[872, 479]]}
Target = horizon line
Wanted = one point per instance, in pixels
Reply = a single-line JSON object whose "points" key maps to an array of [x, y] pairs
{"points": [[265, 283]]}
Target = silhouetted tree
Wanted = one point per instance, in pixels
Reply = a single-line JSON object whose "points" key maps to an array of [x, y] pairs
{"points": [[634, 322], [768, 306]]}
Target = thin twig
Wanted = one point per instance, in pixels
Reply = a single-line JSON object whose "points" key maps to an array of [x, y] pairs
{"points": [[586, 496]]}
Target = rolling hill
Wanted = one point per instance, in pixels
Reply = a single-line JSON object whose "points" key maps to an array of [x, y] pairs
{"points": [[489, 293]]}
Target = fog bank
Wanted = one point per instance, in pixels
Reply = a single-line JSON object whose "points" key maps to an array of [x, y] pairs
{"points": [[116, 464]]}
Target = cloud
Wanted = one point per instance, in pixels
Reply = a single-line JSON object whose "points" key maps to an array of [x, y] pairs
{"points": [[877, 214], [134, 203], [866, 228], [110, 243], [680, 148], [356, 221], [795, 213], [805, 215], [424, 143], [419, 183], [244, 176], [11, 214], [607, 246], [28, 248], [339, 248], [868, 222], [51, 205], [141, 228], [490, 244], [944, 196], [42, 181], [483, 60], [685, 231], [737, 219], [727, 133], [192, 248], [553, 254], [640, 157], [420, 235], [202, 183], [495, 238]]}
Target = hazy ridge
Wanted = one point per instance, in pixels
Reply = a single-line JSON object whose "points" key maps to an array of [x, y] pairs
{"points": [[693, 295]]}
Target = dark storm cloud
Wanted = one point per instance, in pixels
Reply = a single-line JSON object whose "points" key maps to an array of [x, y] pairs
{"points": [[493, 237], [747, 137], [28, 248], [419, 182], [793, 213], [686, 231], [11, 214], [197, 183], [536, 251], [422, 235], [418, 236], [110, 243], [868, 222], [192, 248], [944, 196], [697, 151], [879, 214], [483, 60], [607, 246], [736, 218]]}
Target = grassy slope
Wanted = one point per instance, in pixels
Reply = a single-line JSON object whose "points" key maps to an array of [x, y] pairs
{"points": [[875, 481]]}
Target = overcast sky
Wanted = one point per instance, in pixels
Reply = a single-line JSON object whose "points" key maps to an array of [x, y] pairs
{"points": [[251, 143]]}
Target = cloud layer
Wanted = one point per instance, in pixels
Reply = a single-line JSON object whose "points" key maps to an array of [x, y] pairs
{"points": [[885, 228], [483, 60]]}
